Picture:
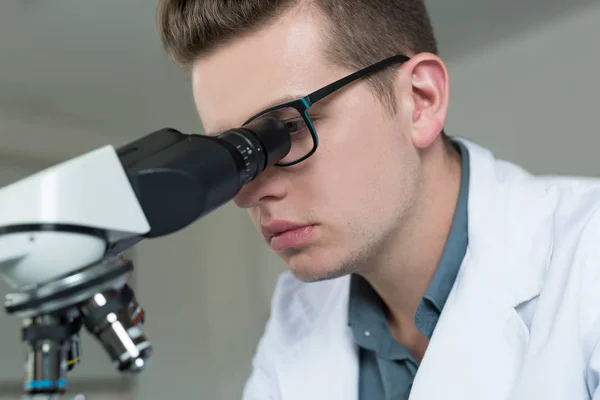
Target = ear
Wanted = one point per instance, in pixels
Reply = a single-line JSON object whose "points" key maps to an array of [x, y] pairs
{"points": [[430, 96]]}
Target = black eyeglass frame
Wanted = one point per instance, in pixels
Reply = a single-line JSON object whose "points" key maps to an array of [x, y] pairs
{"points": [[302, 104]]}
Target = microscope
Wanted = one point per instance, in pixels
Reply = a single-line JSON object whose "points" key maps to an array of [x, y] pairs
{"points": [[63, 232]]}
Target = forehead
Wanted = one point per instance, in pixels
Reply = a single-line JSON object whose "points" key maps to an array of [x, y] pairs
{"points": [[253, 72]]}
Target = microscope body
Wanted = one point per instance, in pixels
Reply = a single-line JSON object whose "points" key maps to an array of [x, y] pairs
{"points": [[63, 232], [85, 205]]}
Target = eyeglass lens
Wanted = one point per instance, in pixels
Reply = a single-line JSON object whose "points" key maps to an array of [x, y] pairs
{"points": [[302, 140]]}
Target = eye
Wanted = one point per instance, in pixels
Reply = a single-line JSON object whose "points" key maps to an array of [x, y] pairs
{"points": [[295, 125]]}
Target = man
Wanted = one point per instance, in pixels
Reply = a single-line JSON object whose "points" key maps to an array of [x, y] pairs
{"points": [[419, 266]]}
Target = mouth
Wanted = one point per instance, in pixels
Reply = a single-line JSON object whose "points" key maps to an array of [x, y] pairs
{"points": [[284, 235]]}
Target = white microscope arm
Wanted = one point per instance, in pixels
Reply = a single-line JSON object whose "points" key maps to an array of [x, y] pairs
{"points": [[64, 218]]}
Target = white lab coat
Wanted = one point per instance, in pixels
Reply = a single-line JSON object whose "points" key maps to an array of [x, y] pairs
{"points": [[521, 322]]}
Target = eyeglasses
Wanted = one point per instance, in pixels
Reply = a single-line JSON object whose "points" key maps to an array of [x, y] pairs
{"points": [[294, 113]]}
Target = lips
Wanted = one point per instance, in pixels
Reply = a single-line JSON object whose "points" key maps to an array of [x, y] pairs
{"points": [[278, 227], [281, 235]]}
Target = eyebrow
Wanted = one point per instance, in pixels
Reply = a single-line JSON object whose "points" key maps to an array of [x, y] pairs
{"points": [[279, 100]]}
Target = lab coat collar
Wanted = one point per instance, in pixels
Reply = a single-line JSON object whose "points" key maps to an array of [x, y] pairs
{"points": [[477, 345]]}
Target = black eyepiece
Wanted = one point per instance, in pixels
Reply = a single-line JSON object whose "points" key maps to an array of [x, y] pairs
{"points": [[260, 143], [179, 178]]}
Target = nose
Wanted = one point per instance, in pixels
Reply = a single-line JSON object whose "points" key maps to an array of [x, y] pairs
{"points": [[270, 185]]}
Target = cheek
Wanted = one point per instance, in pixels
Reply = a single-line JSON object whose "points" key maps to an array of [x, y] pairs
{"points": [[367, 172], [365, 147]]}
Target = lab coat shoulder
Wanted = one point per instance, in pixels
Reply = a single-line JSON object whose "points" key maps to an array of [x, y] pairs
{"points": [[588, 277], [577, 247], [298, 311], [298, 308], [573, 273], [571, 279], [573, 206]]}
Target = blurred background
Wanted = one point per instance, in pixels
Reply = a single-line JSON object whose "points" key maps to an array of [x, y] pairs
{"points": [[76, 75]]}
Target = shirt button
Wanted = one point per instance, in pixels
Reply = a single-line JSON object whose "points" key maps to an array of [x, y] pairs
{"points": [[367, 333]]}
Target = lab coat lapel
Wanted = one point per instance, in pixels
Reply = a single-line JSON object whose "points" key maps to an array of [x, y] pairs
{"points": [[476, 348], [480, 339]]}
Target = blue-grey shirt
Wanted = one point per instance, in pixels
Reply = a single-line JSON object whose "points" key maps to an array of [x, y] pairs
{"points": [[387, 368]]}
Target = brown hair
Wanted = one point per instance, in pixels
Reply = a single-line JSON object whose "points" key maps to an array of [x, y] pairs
{"points": [[359, 32]]}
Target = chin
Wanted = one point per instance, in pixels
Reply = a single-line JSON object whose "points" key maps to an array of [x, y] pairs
{"points": [[307, 268]]}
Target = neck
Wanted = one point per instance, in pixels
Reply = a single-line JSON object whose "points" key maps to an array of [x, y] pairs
{"points": [[407, 263]]}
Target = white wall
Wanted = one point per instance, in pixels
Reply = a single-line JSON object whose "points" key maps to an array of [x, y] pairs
{"points": [[536, 99]]}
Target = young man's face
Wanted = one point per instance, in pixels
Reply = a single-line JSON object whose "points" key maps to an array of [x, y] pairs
{"points": [[355, 191]]}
